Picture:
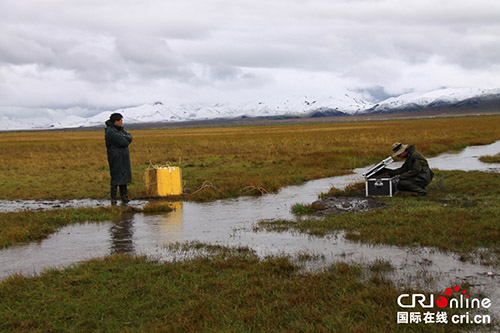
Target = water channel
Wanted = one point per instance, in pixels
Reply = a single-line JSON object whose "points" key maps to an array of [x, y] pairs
{"points": [[230, 222]]}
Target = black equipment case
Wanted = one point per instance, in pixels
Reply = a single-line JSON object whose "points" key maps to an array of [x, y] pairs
{"points": [[377, 185]]}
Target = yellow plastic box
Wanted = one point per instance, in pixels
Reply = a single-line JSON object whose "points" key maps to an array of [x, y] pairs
{"points": [[163, 181]]}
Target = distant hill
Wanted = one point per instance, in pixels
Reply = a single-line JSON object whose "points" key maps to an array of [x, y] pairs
{"points": [[442, 101]]}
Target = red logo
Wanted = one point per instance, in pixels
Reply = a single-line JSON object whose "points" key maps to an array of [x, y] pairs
{"points": [[442, 301]]}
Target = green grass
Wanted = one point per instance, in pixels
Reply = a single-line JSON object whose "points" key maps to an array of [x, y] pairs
{"points": [[236, 292], [461, 213], [490, 158], [27, 226], [301, 209]]}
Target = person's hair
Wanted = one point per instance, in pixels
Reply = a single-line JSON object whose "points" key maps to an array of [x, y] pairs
{"points": [[115, 117]]}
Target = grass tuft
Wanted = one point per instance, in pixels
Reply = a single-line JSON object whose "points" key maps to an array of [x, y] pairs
{"points": [[301, 209], [158, 207], [490, 158]]}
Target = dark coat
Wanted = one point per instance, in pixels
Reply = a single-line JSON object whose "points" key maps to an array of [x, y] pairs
{"points": [[415, 168], [117, 141]]}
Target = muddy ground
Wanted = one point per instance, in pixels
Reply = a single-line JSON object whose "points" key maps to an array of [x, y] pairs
{"points": [[335, 205]]}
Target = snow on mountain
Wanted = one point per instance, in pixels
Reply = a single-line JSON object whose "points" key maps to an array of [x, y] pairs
{"points": [[12, 124], [70, 121], [345, 104], [294, 106], [432, 99], [8, 124]]}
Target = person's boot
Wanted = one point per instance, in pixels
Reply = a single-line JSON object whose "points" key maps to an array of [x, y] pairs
{"points": [[124, 194], [113, 195]]}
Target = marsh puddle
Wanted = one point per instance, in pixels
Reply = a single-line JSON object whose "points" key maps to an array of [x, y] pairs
{"points": [[20, 205], [230, 222]]}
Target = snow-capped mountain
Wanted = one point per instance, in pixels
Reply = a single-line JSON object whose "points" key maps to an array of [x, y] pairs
{"points": [[299, 106], [431, 99]]}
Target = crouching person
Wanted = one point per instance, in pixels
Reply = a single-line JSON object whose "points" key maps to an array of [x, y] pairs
{"points": [[117, 142], [415, 173]]}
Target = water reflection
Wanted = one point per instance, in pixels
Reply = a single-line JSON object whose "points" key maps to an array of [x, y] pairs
{"points": [[170, 225], [121, 236], [142, 233]]}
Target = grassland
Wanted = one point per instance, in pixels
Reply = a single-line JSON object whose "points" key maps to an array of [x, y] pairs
{"points": [[235, 160], [237, 292], [460, 214], [233, 291]]}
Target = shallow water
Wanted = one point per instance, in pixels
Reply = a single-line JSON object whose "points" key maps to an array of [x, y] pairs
{"points": [[467, 159], [41, 204], [230, 223]]}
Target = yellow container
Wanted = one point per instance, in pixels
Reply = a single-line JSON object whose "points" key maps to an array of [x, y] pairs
{"points": [[163, 181]]}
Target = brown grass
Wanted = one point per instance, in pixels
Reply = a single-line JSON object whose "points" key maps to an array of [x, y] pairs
{"points": [[72, 164]]}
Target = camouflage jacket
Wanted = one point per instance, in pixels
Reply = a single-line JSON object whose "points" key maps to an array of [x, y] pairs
{"points": [[415, 166]]}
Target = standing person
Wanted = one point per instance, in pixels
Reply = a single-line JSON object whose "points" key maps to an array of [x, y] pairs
{"points": [[117, 142], [415, 173]]}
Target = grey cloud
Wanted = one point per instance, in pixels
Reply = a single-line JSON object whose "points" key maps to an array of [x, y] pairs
{"points": [[17, 48], [225, 73], [145, 49], [75, 51], [374, 94], [126, 51], [396, 12], [170, 19]]}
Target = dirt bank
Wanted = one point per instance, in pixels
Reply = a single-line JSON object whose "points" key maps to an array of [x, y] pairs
{"points": [[335, 205]]}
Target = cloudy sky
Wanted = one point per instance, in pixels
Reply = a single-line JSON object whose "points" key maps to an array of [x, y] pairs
{"points": [[84, 57]]}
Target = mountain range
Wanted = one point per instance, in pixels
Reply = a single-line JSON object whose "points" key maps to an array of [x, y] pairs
{"points": [[297, 107]]}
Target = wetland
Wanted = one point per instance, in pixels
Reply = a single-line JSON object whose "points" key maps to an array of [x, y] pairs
{"points": [[266, 230]]}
